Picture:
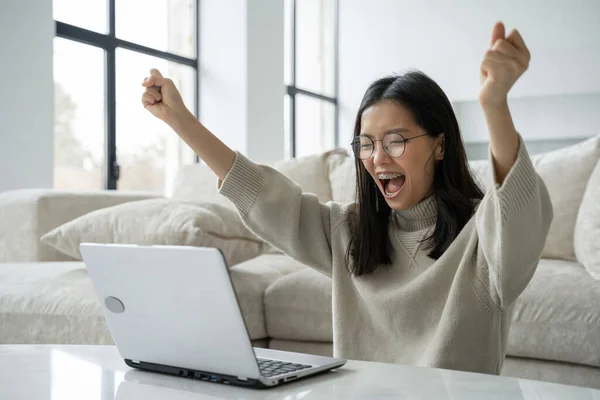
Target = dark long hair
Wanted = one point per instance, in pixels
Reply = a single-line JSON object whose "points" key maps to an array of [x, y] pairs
{"points": [[453, 184]]}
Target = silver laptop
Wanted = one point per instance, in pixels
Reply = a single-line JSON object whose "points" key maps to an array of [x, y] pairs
{"points": [[173, 309]]}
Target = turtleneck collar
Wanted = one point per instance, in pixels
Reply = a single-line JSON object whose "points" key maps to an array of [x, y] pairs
{"points": [[420, 216]]}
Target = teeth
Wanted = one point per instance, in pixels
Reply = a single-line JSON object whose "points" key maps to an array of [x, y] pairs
{"points": [[389, 176]]}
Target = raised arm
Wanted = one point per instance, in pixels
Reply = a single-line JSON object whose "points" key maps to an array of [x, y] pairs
{"points": [[276, 209], [271, 205], [512, 222], [163, 100], [514, 217], [505, 61]]}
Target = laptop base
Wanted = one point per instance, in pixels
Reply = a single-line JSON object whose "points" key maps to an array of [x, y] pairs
{"points": [[194, 374], [210, 376]]}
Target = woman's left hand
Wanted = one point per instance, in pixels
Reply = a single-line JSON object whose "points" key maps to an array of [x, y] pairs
{"points": [[503, 64]]}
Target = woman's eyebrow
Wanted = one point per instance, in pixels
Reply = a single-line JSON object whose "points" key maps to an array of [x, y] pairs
{"points": [[395, 130]]}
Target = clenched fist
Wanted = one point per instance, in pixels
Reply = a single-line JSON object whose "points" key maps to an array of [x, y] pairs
{"points": [[503, 64], [162, 98]]}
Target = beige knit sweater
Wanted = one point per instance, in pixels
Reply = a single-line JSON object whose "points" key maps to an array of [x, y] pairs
{"points": [[454, 312]]}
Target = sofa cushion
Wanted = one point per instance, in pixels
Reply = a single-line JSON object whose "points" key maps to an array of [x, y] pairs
{"points": [[250, 280], [49, 303], [298, 307], [160, 222], [55, 303], [565, 172], [530, 370], [557, 317], [198, 183], [587, 228]]}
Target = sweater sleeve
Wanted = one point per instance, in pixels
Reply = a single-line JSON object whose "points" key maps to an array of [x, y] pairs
{"points": [[512, 222], [275, 209]]}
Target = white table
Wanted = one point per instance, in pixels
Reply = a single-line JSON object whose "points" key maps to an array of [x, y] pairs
{"points": [[98, 373]]}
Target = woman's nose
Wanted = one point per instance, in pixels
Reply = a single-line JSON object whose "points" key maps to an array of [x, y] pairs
{"points": [[379, 154]]}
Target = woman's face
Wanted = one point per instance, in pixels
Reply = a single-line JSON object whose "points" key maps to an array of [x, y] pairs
{"points": [[412, 172]]}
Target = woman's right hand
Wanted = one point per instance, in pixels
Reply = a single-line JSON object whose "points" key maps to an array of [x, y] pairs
{"points": [[162, 98]]}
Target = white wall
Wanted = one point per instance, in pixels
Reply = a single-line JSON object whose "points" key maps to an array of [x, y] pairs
{"points": [[447, 40], [241, 75], [26, 102], [538, 118]]}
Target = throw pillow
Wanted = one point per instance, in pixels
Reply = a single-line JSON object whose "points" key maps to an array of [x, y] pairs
{"points": [[310, 172], [197, 183], [342, 176], [587, 228], [160, 221]]}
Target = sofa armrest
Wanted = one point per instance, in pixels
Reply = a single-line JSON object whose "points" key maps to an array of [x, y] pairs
{"points": [[26, 215]]}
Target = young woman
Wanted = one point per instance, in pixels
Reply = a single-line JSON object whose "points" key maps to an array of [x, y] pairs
{"points": [[425, 268]]}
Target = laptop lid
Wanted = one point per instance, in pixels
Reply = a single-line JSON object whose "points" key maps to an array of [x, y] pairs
{"points": [[171, 305]]}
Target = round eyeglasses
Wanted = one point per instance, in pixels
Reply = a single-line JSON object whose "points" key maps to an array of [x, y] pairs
{"points": [[393, 144]]}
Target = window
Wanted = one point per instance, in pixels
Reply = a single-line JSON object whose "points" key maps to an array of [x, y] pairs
{"points": [[103, 49], [311, 102]]}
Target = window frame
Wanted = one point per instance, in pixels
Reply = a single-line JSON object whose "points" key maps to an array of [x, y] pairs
{"points": [[109, 42], [292, 89]]}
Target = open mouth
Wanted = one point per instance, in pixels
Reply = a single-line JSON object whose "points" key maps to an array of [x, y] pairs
{"points": [[391, 184]]}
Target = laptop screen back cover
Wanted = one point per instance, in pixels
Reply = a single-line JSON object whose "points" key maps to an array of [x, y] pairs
{"points": [[171, 305]]}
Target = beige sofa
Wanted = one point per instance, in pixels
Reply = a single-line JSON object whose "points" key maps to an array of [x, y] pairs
{"points": [[46, 296]]}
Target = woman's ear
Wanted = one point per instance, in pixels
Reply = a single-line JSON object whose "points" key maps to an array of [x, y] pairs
{"points": [[441, 146]]}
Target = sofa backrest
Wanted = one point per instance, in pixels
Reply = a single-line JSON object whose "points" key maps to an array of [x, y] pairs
{"points": [[565, 172]]}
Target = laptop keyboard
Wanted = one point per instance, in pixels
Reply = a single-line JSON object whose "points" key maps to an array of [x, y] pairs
{"points": [[270, 368]]}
